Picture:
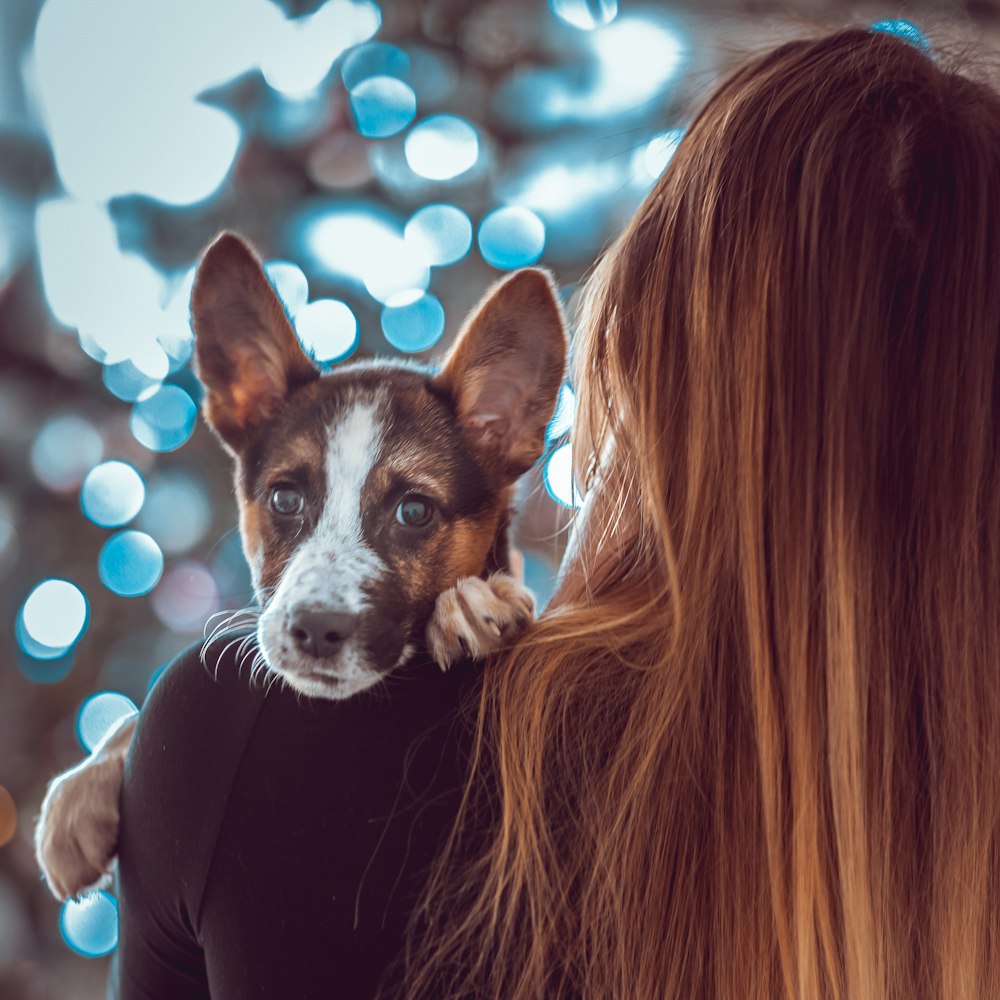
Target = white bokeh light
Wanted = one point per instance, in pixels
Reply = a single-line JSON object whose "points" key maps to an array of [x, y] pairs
{"points": [[366, 248], [301, 51], [659, 151], [633, 62], [440, 234], [122, 306], [558, 477], [585, 14], [55, 614], [101, 713], [327, 329], [124, 120], [112, 494], [565, 413], [290, 284], [442, 147]]}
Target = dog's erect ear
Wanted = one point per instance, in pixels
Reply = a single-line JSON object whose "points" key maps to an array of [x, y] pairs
{"points": [[247, 355], [505, 370]]}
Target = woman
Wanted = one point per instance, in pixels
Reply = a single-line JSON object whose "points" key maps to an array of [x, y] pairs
{"points": [[753, 748]]}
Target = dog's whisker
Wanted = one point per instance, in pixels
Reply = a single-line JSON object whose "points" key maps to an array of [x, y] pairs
{"points": [[231, 619], [249, 643], [272, 677], [258, 670], [225, 649], [227, 628], [231, 624]]}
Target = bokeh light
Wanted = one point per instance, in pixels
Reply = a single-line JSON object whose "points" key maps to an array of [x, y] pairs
{"points": [[564, 415], [118, 302], [99, 715], [637, 58], [40, 667], [632, 64], [659, 151], [124, 380], [442, 147], [152, 101], [290, 284], [382, 106], [585, 14], [374, 59], [186, 597], [165, 420], [300, 52], [54, 616], [440, 234], [64, 451], [177, 512], [558, 477], [8, 817], [89, 925], [365, 247], [511, 237], [414, 326], [130, 563], [327, 329], [540, 578], [112, 494]]}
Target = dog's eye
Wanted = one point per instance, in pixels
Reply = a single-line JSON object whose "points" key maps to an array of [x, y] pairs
{"points": [[285, 500], [414, 512]]}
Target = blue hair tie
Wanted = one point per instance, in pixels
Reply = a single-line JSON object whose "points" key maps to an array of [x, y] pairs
{"points": [[906, 30]]}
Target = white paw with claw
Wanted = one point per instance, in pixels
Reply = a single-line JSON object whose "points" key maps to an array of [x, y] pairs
{"points": [[478, 617]]}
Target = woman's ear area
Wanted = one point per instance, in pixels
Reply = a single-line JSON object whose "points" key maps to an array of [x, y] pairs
{"points": [[505, 369], [247, 355]]}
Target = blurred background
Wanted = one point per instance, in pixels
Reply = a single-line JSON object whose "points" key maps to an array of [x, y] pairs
{"points": [[389, 161]]}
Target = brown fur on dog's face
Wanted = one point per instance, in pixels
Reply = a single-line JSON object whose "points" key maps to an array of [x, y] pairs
{"points": [[368, 491]]}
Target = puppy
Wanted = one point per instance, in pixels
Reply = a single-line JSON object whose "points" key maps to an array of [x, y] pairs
{"points": [[374, 505]]}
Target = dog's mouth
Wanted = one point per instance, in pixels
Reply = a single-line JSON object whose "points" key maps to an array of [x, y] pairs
{"points": [[374, 651], [323, 677], [336, 682]]}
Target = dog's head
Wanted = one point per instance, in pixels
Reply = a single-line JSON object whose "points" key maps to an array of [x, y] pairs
{"points": [[366, 491]]}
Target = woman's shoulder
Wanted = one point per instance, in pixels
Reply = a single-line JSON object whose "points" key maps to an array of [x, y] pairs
{"points": [[189, 741], [203, 675]]}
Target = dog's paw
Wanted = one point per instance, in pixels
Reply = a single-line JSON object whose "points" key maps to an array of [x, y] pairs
{"points": [[77, 832], [477, 617]]}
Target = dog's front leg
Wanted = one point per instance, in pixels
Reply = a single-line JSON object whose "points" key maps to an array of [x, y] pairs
{"points": [[478, 617], [77, 832]]}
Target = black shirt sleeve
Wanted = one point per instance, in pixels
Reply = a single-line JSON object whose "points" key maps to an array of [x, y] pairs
{"points": [[274, 846]]}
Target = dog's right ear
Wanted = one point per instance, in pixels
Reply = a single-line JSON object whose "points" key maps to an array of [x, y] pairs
{"points": [[505, 368], [247, 355]]}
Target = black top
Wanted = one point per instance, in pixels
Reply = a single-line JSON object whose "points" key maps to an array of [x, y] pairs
{"points": [[272, 845]]}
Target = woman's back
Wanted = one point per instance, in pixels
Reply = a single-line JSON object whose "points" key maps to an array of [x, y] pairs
{"points": [[754, 748]]}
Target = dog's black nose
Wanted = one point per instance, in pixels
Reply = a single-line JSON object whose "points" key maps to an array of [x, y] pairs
{"points": [[320, 632]]}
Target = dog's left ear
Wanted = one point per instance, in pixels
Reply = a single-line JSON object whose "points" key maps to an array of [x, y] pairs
{"points": [[247, 355], [505, 370]]}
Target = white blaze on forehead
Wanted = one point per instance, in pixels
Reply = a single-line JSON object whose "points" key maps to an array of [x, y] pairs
{"points": [[330, 568]]}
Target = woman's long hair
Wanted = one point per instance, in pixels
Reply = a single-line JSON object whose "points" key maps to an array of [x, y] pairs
{"points": [[752, 750]]}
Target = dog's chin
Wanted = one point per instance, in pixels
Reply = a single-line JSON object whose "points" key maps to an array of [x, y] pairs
{"points": [[319, 683], [335, 679]]}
